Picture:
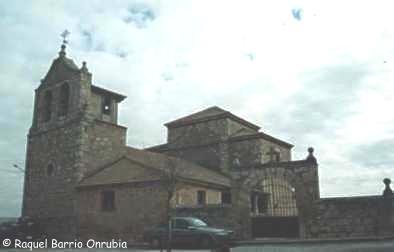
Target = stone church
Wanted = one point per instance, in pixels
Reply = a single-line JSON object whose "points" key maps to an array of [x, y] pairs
{"points": [[83, 181]]}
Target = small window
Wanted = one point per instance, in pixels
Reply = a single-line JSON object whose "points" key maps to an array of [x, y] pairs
{"points": [[201, 198], [108, 200], [50, 170], [226, 198], [47, 106], [277, 156], [106, 105], [274, 154]]}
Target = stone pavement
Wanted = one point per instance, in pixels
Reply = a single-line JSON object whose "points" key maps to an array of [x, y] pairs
{"points": [[338, 245], [372, 245], [93, 250]]}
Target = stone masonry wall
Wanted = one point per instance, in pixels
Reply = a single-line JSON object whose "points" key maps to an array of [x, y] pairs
{"points": [[207, 156], [186, 195], [352, 217], [211, 144], [54, 149], [234, 216], [104, 142], [137, 207], [197, 134], [255, 151], [49, 192], [236, 128]]}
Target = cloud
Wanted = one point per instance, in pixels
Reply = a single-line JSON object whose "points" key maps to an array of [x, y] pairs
{"points": [[378, 156], [297, 14], [321, 84], [140, 15]]}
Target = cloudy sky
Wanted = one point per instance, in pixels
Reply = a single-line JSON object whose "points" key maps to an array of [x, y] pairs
{"points": [[313, 73]]}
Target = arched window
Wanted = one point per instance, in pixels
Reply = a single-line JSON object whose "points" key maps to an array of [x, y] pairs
{"points": [[106, 105], [50, 170], [47, 106], [64, 100]]}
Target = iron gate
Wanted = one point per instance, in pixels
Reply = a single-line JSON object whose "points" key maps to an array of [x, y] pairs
{"points": [[283, 226]]}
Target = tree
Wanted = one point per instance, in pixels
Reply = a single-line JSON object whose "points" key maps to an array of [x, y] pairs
{"points": [[170, 180]]}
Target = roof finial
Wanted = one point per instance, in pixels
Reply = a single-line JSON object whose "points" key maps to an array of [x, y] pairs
{"points": [[64, 35], [84, 67], [387, 191], [311, 158]]}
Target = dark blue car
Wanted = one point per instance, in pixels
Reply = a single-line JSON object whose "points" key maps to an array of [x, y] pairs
{"points": [[191, 232]]}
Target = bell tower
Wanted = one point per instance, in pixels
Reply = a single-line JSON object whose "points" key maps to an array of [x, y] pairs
{"points": [[55, 143], [74, 131]]}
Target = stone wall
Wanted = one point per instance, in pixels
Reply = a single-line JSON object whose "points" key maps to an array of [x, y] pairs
{"points": [[206, 155], [216, 143], [352, 217], [50, 177], [186, 195], [254, 150], [103, 143], [234, 216], [236, 128], [198, 133], [137, 207]]}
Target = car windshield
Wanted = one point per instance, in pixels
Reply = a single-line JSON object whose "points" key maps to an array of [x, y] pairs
{"points": [[197, 223]]}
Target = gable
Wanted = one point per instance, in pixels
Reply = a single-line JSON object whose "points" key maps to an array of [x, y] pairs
{"points": [[122, 171], [142, 166], [212, 113], [206, 113], [185, 169], [61, 69]]}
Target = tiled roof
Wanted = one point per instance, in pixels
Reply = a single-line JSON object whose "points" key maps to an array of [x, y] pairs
{"points": [[101, 90], [209, 114], [263, 136], [125, 168], [120, 171]]}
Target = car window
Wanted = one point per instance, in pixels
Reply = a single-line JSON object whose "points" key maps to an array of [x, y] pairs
{"points": [[162, 225], [180, 223], [197, 223]]}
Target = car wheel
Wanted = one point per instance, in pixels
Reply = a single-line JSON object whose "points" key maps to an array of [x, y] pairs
{"points": [[155, 243], [205, 242]]}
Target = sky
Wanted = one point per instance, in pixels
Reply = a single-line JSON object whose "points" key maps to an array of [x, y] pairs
{"points": [[312, 73]]}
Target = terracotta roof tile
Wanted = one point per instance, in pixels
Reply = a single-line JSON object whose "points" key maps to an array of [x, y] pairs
{"points": [[208, 114], [120, 171]]}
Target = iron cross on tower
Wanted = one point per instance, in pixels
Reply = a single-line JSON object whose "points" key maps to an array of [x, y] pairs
{"points": [[64, 35]]}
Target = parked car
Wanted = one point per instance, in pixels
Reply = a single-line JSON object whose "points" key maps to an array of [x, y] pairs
{"points": [[23, 229], [189, 231]]}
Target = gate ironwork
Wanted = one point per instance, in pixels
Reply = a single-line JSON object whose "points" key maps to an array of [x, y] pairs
{"points": [[283, 226]]}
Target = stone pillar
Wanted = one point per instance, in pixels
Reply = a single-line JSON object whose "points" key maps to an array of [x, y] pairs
{"points": [[241, 220], [387, 190], [386, 214]]}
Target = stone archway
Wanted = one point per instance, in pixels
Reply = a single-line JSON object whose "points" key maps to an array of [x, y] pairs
{"points": [[298, 176]]}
